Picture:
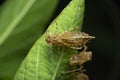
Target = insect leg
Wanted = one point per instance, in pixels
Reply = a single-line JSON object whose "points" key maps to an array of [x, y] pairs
{"points": [[76, 47], [81, 70], [72, 71], [85, 47]]}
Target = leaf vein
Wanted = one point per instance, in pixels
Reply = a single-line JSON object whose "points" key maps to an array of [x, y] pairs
{"points": [[58, 65]]}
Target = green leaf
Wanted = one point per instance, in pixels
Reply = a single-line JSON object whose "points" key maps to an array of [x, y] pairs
{"points": [[21, 23], [47, 62]]}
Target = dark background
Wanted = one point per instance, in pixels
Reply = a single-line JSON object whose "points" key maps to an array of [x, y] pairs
{"points": [[102, 19]]}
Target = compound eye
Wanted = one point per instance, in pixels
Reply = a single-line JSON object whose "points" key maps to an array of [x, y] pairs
{"points": [[49, 39]]}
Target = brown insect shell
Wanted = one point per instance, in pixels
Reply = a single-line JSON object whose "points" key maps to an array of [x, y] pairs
{"points": [[74, 60], [87, 56], [70, 39], [81, 76], [81, 58], [75, 38]]}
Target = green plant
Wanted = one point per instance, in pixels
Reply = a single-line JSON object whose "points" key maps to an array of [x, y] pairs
{"points": [[43, 61]]}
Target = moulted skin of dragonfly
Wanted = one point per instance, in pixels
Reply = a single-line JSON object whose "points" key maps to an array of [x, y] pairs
{"points": [[81, 76], [75, 40], [81, 58]]}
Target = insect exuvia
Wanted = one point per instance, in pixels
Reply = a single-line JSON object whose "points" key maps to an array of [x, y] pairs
{"points": [[75, 40], [81, 76], [81, 58]]}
